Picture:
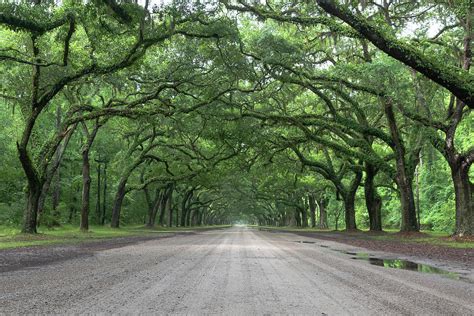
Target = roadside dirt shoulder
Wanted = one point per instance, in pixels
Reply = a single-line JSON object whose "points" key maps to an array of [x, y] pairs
{"points": [[405, 247], [26, 257]]}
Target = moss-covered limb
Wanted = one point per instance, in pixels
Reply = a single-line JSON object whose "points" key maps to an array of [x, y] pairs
{"points": [[362, 126], [337, 124], [317, 166], [118, 11], [67, 40], [365, 153], [427, 119], [321, 77], [368, 156], [11, 15], [349, 125], [265, 14], [423, 120], [460, 83]]}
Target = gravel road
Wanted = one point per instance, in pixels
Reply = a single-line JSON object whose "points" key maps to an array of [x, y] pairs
{"points": [[231, 271]]}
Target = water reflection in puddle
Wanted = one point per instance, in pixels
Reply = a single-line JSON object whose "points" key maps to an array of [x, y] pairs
{"points": [[395, 263], [408, 265]]}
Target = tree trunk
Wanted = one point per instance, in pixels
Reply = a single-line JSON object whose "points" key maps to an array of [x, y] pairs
{"points": [[86, 174], [185, 207], [86, 187], [169, 206], [155, 207], [312, 210], [57, 158], [407, 199], [31, 212], [464, 195], [42, 200], [163, 206], [304, 217], [349, 208], [200, 217], [349, 202], [402, 178], [183, 217], [298, 217], [189, 216], [99, 187], [177, 216], [323, 217], [372, 199], [417, 191], [104, 204], [119, 196]]}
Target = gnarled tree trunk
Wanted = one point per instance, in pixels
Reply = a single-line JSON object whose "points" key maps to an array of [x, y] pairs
{"points": [[403, 177], [169, 206], [86, 186], [464, 194], [323, 217], [119, 196], [349, 201], [312, 210], [372, 199], [304, 217]]}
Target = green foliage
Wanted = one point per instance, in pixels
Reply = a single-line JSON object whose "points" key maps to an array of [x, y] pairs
{"points": [[245, 110]]}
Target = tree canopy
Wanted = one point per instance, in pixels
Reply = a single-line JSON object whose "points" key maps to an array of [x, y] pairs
{"points": [[332, 114]]}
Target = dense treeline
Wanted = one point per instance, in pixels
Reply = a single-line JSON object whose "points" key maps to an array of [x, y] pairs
{"points": [[349, 114]]}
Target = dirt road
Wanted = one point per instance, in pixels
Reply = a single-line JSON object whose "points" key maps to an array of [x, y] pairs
{"points": [[230, 271]]}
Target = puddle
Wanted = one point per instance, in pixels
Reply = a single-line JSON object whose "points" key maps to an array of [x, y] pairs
{"points": [[360, 255], [395, 263], [408, 265]]}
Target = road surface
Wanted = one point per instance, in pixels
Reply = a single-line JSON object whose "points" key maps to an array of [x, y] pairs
{"points": [[230, 271]]}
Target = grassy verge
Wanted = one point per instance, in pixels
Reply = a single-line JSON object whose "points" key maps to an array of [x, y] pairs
{"points": [[13, 238], [425, 237]]}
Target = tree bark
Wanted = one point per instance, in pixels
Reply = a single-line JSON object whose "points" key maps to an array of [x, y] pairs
{"points": [[312, 210], [86, 174], [185, 207], [298, 217], [31, 212], [464, 194], [372, 199], [349, 201], [57, 157], [104, 204], [99, 193], [189, 216], [119, 196], [153, 207], [86, 186], [304, 217], [349, 212], [323, 217], [403, 177], [183, 215], [163, 205], [459, 163], [169, 206]]}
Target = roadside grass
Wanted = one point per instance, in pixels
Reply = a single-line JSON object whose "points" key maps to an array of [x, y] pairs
{"points": [[430, 238], [434, 238], [294, 229], [11, 237]]}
